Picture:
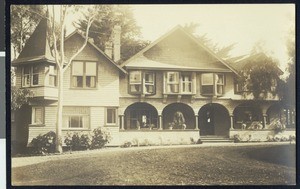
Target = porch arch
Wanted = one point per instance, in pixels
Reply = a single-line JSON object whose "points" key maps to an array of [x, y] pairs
{"points": [[140, 115], [275, 111], [247, 113], [187, 112], [214, 120]]}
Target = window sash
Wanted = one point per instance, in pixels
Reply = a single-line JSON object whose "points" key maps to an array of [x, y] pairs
{"points": [[173, 78], [212, 84], [37, 115], [135, 77], [141, 82], [30, 76], [111, 116], [84, 74]]}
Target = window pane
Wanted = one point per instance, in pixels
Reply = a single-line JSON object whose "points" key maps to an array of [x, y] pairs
{"points": [[220, 89], [173, 88], [149, 89], [76, 121], [26, 80], [220, 79], [77, 68], [149, 78], [35, 69], [52, 70], [90, 81], [52, 80], [38, 115], [207, 89], [136, 88], [90, 68], [135, 77], [111, 116], [207, 79], [35, 79], [187, 87], [78, 81], [26, 70], [173, 77]]}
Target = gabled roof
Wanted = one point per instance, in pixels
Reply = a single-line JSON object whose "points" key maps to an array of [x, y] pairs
{"points": [[239, 64], [97, 48], [132, 62], [34, 51]]}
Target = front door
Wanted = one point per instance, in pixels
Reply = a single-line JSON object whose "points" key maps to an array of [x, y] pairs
{"points": [[207, 123]]}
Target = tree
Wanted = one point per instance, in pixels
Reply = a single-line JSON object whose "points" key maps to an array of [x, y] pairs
{"points": [[222, 52], [24, 18], [60, 59], [101, 29], [260, 75]]}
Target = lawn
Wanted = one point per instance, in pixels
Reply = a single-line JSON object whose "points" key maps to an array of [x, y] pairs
{"points": [[231, 165]]}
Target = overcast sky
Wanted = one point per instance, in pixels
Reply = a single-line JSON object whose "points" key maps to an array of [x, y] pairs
{"points": [[224, 24]]}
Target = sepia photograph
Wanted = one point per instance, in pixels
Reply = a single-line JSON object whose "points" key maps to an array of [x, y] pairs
{"points": [[152, 94]]}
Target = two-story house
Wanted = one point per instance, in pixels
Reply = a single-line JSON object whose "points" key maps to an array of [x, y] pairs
{"points": [[173, 91]]}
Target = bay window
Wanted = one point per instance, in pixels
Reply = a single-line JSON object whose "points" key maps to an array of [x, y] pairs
{"points": [[180, 82], [212, 84], [141, 82], [30, 76], [76, 118], [84, 74]]}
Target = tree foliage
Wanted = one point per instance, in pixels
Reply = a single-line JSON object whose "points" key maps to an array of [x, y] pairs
{"points": [[260, 75], [107, 17], [19, 97]]}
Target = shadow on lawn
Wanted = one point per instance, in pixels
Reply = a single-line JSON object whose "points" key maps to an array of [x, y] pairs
{"points": [[283, 154]]}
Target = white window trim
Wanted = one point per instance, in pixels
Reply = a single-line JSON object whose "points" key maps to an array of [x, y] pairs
{"points": [[143, 83], [53, 74], [180, 82], [30, 76], [215, 84], [33, 115], [84, 75], [116, 116]]}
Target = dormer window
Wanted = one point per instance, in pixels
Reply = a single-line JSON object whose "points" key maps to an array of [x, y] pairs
{"points": [[30, 76], [212, 84], [142, 82]]}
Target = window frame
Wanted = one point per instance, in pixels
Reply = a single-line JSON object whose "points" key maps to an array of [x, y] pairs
{"points": [[173, 83], [180, 82], [84, 75], [52, 75], [30, 75], [115, 117], [83, 117], [214, 84], [33, 115], [142, 84]]}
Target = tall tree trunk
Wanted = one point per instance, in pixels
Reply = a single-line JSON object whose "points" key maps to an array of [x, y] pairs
{"points": [[59, 111]]}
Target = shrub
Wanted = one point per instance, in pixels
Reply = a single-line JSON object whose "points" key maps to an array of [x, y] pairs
{"points": [[100, 137], [255, 125], [43, 144]]}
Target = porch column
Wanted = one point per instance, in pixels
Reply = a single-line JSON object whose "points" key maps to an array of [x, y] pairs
{"points": [[160, 122], [231, 121], [264, 120], [196, 121], [122, 122]]}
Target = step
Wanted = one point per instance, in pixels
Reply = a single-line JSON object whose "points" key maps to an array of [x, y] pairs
{"points": [[215, 139]]}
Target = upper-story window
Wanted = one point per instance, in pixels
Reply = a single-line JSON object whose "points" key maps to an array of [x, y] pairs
{"points": [[84, 74], [30, 76], [52, 75], [141, 82], [180, 82], [212, 84]]}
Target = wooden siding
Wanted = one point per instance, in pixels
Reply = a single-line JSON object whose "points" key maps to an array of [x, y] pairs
{"points": [[106, 92]]}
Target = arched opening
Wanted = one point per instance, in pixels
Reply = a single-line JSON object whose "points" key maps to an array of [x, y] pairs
{"points": [[141, 115], [214, 120], [276, 112], [172, 111], [246, 113]]}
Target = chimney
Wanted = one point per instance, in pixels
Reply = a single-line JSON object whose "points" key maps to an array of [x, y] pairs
{"points": [[108, 49], [116, 37]]}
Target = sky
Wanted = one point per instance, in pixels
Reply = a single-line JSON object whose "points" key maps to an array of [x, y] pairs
{"points": [[243, 24]]}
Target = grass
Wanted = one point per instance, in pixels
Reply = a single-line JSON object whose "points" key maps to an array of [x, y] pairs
{"points": [[232, 165]]}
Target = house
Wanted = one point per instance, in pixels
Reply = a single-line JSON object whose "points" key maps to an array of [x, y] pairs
{"points": [[173, 91]]}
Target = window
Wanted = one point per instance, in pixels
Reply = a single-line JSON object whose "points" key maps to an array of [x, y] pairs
{"points": [[111, 116], [52, 75], [212, 84], [186, 83], [141, 82], [37, 115], [76, 118], [30, 76], [173, 82], [84, 74]]}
